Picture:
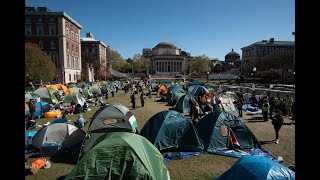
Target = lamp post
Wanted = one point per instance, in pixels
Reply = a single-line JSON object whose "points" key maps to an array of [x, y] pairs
{"points": [[208, 76], [254, 73]]}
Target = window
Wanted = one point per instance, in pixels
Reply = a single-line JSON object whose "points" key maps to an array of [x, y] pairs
{"points": [[54, 58], [72, 35], [69, 77], [77, 63], [40, 29], [76, 37], [52, 29], [67, 32], [67, 46], [72, 67], [52, 20], [72, 47], [68, 62], [53, 45], [28, 29], [27, 20], [77, 49], [41, 44], [74, 77], [39, 20]]}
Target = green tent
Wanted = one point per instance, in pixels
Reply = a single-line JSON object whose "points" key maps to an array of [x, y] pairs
{"points": [[109, 118], [75, 97], [47, 94], [173, 93], [210, 131], [170, 130], [121, 155], [182, 104]]}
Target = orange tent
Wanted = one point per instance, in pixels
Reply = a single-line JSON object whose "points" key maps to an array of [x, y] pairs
{"points": [[59, 86], [163, 90]]}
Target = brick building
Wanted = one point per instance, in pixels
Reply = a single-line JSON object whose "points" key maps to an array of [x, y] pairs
{"points": [[97, 50], [59, 35]]}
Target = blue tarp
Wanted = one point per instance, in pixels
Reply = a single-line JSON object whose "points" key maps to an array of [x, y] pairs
{"points": [[253, 152], [251, 109], [257, 168], [169, 156]]}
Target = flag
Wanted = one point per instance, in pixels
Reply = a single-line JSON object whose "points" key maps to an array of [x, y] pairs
{"points": [[233, 140]]}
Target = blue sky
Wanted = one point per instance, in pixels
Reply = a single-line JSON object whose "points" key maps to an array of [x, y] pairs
{"points": [[200, 27]]}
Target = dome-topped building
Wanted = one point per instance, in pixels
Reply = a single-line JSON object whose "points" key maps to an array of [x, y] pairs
{"points": [[165, 45], [232, 56], [166, 58]]}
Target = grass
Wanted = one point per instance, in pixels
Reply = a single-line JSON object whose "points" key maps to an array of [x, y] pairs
{"points": [[202, 167]]}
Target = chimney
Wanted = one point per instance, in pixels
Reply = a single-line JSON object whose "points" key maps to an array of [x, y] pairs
{"points": [[271, 40], [89, 35], [232, 50]]}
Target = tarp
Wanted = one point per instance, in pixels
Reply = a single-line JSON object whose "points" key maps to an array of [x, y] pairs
{"points": [[232, 95], [121, 155], [257, 168], [211, 134], [171, 130]]}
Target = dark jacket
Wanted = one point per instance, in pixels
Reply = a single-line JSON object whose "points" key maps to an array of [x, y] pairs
{"points": [[277, 120]]}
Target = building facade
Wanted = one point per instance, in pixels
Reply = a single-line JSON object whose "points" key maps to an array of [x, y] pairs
{"points": [[59, 35], [254, 54], [166, 59], [98, 51]]}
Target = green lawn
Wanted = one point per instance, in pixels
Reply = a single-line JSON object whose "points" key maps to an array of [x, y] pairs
{"points": [[204, 166]]}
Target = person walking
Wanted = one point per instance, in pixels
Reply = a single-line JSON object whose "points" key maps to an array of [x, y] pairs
{"points": [[277, 122], [133, 100], [142, 96], [240, 104]]}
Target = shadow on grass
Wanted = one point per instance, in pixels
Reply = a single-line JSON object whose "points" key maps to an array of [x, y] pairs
{"points": [[66, 157], [266, 142], [255, 119], [61, 177]]}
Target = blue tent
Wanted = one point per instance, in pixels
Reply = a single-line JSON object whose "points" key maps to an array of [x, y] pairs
{"points": [[42, 107], [257, 168], [198, 90]]}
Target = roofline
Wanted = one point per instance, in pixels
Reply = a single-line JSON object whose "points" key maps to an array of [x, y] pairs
{"points": [[65, 15], [269, 44], [95, 41]]}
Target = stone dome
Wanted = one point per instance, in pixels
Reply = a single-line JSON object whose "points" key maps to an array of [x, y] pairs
{"points": [[232, 53], [166, 45]]}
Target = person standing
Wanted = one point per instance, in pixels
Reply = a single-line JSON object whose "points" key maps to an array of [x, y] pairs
{"points": [[277, 122], [272, 104], [287, 105], [240, 104], [133, 100], [32, 108], [265, 110], [142, 96]]}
